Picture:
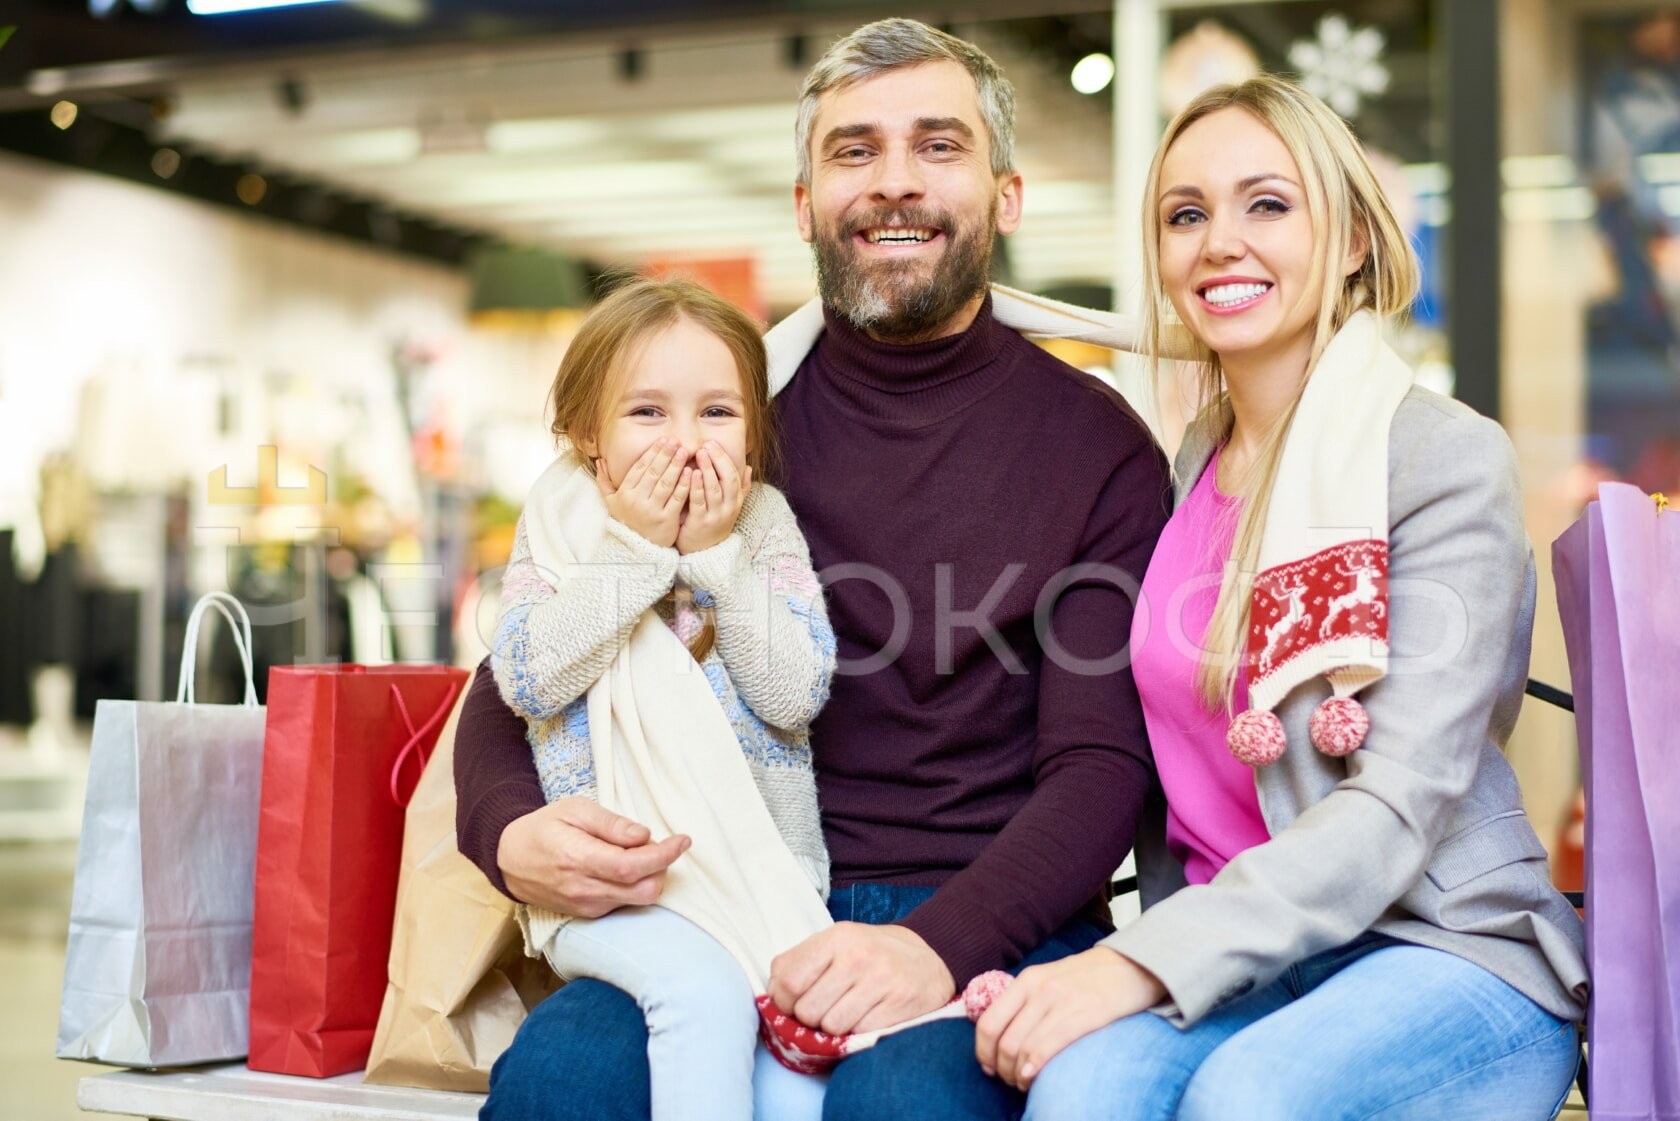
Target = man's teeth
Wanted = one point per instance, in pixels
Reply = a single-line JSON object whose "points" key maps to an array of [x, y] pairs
{"points": [[1233, 293], [899, 236]]}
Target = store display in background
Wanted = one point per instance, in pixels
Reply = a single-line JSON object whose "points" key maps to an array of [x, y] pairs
{"points": [[1206, 55], [1630, 78], [733, 278]]}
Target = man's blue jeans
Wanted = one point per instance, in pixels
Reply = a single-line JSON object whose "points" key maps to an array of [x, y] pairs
{"points": [[582, 1054]]}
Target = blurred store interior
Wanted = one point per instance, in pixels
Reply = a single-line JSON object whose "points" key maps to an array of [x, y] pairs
{"points": [[281, 292]]}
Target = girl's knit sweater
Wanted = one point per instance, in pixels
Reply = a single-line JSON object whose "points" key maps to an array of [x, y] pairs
{"points": [[770, 666]]}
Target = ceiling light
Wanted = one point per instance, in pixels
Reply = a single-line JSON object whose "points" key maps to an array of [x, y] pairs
{"points": [[1537, 171], [534, 135], [64, 114], [368, 147], [227, 7], [166, 162], [251, 189], [1092, 73]]}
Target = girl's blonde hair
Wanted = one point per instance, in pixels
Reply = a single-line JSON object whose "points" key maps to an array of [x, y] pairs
{"points": [[592, 374], [1349, 212]]}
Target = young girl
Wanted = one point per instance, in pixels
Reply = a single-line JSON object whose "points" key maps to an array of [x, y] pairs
{"points": [[665, 638], [1347, 913]]}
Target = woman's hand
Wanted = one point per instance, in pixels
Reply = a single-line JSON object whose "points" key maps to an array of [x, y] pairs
{"points": [[714, 500], [1049, 1006], [651, 497]]}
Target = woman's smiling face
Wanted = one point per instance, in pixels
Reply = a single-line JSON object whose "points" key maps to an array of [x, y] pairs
{"points": [[1236, 239]]}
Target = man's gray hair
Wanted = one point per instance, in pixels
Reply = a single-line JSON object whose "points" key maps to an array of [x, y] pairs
{"points": [[892, 44]]}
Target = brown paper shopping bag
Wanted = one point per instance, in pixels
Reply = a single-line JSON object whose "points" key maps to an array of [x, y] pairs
{"points": [[460, 983]]}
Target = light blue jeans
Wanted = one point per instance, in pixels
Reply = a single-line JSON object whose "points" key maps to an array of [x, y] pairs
{"points": [[702, 1025], [1374, 1029], [584, 1054]]}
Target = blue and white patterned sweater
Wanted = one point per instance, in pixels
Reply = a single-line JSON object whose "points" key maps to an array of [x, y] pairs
{"points": [[770, 666]]}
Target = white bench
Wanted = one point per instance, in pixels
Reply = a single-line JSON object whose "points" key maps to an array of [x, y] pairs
{"points": [[232, 1092]]}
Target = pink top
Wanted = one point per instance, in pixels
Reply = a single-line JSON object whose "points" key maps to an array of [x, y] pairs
{"points": [[1213, 812]]}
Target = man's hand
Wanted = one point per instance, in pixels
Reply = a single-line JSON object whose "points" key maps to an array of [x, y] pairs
{"points": [[575, 858], [1049, 1006], [857, 977], [651, 496], [716, 494]]}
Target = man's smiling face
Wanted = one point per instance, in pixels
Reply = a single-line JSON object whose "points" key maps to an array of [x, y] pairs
{"points": [[902, 205]]}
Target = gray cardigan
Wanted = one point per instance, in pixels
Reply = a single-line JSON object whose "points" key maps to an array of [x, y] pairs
{"points": [[1420, 834]]}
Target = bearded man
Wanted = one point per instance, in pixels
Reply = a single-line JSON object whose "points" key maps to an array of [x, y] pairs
{"points": [[980, 513]]}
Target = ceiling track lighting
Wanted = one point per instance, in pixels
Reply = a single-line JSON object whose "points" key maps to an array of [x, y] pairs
{"points": [[234, 7]]}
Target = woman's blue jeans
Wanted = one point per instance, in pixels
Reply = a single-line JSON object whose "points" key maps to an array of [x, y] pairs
{"points": [[1374, 1029], [582, 1053]]}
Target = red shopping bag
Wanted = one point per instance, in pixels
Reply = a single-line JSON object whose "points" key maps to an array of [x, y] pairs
{"points": [[342, 753]]}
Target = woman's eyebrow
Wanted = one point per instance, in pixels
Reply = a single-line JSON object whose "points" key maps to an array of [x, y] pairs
{"points": [[1256, 180], [1186, 191]]}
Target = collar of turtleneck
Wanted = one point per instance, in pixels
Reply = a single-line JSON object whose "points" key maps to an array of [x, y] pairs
{"points": [[916, 383]]}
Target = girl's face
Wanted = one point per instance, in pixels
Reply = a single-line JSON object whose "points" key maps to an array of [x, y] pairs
{"points": [[681, 384], [1236, 241]]}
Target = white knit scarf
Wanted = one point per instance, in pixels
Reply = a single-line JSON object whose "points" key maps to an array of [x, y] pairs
{"points": [[1034, 316], [666, 756], [1320, 604]]}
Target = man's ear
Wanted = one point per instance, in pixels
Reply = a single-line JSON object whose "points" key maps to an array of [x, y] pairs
{"points": [[802, 209], [1009, 203]]}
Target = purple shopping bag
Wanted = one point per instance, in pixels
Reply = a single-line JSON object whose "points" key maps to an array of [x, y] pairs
{"points": [[1618, 586]]}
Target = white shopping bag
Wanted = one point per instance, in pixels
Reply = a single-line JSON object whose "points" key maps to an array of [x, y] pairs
{"points": [[158, 970]]}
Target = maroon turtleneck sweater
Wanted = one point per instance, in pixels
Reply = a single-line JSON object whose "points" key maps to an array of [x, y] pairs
{"points": [[944, 487]]}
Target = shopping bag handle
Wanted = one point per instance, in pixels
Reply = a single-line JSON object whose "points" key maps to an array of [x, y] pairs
{"points": [[221, 602], [415, 736]]}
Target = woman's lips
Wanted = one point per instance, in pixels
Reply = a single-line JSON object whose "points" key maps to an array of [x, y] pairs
{"points": [[1232, 297]]}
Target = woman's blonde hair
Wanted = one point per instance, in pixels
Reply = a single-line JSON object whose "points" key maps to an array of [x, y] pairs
{"points": [[1349, 213], [592, 373]]}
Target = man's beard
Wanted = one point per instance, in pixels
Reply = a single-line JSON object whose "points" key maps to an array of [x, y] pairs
{"points": [[902, 301]]}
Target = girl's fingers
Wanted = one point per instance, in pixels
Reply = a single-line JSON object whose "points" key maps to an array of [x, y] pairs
{"points": [[672, 474], [635, 478], [716, 491], [728, 474], [680, 492], [698, 500]]}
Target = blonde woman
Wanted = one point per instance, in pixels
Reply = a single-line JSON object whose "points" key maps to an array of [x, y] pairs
{"points": [[1347, 913]]}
